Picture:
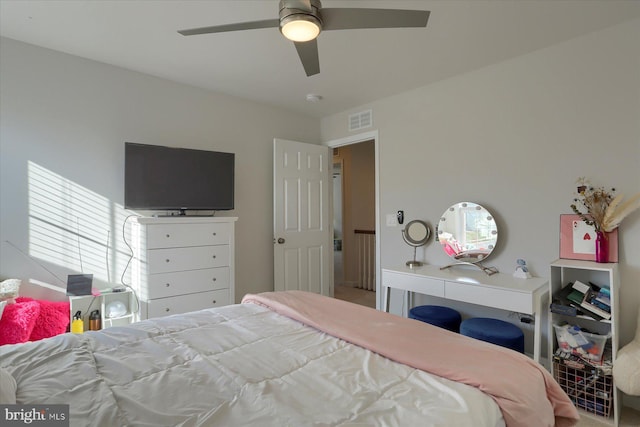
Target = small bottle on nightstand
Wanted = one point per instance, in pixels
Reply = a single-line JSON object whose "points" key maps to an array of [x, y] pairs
{"points": [[77, 325], [94, 321]]}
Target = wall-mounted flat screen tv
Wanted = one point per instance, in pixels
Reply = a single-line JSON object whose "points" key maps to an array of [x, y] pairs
{"points": [[168, 178]]}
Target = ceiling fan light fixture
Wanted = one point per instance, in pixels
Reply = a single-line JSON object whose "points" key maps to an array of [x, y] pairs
{"points": [[301, 21], [300, 27]]}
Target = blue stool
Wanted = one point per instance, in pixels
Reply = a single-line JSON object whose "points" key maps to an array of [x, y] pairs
{"points": [[495, 331], [444, 317]]}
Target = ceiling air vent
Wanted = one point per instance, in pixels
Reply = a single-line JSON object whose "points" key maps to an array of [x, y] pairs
{"points": [[360, 120]]}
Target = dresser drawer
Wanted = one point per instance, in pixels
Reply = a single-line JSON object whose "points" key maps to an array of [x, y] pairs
{"points": [[184, 235], [164, 285], [182, 259], [413, 283], [186, 303], [521, 302]]}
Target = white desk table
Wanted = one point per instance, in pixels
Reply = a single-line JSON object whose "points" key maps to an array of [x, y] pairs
{"points": [[502, 291]]}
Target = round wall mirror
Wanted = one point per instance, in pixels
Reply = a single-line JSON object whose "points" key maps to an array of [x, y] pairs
{"points": [[416, 233], [467, 232]]}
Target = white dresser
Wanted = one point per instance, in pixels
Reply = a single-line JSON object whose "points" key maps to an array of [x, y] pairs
{"points": [[182, 264]]}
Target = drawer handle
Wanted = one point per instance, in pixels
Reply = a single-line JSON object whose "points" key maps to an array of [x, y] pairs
{"points": [[214, 257], [167, 309], [214, 279], [167, 260], [214, 301], [214, 234], [167, 285], [168, 235]]}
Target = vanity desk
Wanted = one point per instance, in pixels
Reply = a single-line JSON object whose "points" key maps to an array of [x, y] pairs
{"points": [[502, 291]]}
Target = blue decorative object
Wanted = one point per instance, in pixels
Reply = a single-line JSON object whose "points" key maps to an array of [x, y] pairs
{"points": [[495, 331], [443, 317], [522, 263], [521, 271]]}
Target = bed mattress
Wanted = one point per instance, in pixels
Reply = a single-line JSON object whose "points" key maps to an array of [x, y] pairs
{"points": [[239, 365]]}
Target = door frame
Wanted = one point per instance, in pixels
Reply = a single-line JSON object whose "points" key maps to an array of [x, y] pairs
{"points": [[355, 139], [332, 211]]}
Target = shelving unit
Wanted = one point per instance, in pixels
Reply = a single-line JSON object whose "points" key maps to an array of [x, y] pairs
{"points": [[88, 303], [129, 299], [595, 396]]}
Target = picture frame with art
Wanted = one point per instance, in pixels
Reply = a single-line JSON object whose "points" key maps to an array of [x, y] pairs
{"points": [[577, 240]]}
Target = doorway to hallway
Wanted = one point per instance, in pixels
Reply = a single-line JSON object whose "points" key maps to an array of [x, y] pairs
{"points": [[354, 222]]}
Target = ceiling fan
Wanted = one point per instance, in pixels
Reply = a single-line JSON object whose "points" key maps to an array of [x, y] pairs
{"points": [[301, 21]]}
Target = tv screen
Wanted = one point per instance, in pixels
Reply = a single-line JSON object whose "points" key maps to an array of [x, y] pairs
{"points": [[166, 178]]}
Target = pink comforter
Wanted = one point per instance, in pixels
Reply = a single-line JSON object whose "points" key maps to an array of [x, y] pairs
{"points": [[525, 391]]}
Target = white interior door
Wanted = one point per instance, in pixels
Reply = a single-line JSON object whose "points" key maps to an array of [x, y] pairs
{"points": [[302, 230]]}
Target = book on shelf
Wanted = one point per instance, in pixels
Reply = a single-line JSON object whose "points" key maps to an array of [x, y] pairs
{"points": [[559, 308], [603, 298], [604, 290], [600, 304], [562, 304], [594, 309], [581, 287], [575, 296], [580, 299]]}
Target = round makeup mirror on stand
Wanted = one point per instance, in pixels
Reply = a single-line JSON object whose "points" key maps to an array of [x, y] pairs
{"points": [[467, 232], [416, 233]]}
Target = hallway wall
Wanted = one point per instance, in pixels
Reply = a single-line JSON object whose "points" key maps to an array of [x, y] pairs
{"points": [[358, 175]]}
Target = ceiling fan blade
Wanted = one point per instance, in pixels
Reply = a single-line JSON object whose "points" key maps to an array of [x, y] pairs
{"points": [[353, 18], [267, 23], [308, 53]]}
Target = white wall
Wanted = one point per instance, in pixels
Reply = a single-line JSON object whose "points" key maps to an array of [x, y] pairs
{"points": [[337, 199], [70, 118], [362, 185], [514, 137]]}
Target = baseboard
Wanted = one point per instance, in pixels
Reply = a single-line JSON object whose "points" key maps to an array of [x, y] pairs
{"points": [[349, 284]]}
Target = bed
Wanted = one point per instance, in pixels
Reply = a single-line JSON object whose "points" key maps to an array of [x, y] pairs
{"points": [[284, 359]]}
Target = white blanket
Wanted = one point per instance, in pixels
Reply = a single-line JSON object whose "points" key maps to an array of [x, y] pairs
{"points": [[240, 365]]}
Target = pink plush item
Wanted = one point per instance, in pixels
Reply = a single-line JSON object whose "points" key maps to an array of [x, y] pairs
{"points": [[17, 322], [52, 320]]}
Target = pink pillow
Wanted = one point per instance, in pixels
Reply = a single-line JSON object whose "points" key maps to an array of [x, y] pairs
{"points": [[18, 321], [53, 320]]}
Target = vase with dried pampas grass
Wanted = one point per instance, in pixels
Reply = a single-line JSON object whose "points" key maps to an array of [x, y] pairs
{"points": [[603, 210], [618, 210]]}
